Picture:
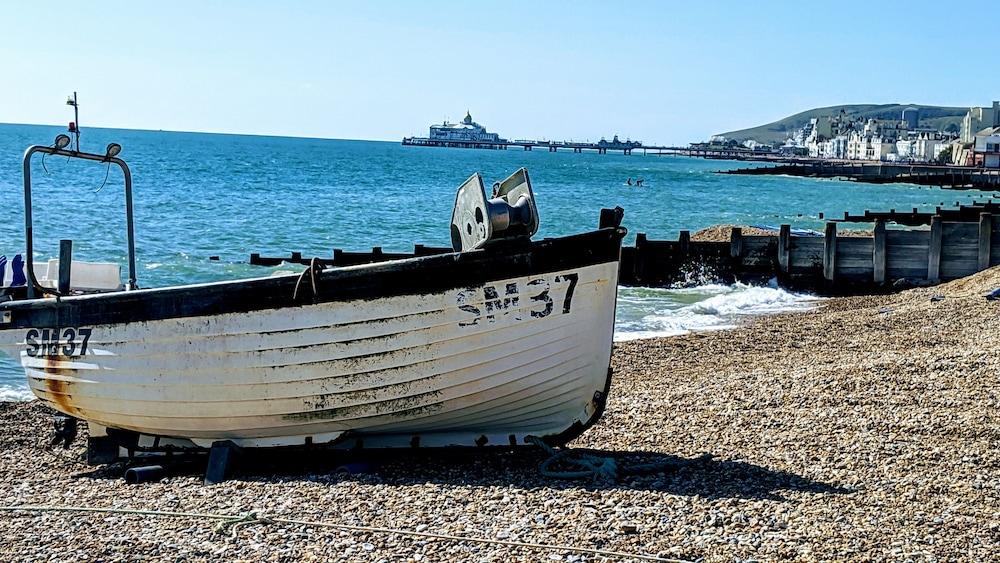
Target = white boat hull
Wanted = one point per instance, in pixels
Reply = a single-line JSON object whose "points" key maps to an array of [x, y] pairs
{"points": [[484, 365]]}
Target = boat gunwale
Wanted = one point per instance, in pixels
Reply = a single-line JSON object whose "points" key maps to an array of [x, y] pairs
{"points": [[351, 283]]}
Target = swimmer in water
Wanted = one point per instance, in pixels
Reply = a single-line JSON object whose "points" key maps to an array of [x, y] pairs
{"points": [[629, 181]]}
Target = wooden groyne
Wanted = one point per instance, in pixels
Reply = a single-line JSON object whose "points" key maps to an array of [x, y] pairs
{"points": [[342, 258], [913, 218], [956, 177], [828, 263], [953, 246]]}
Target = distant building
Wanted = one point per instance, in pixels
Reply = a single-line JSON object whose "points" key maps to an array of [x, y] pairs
{"points": [[840, 137], [835, 148], [864, 145], [987, 147], [887, 129], [467, 130], [978, 119], [792, 150], [754, 145], [911, 116], [922, 147], [928, 147], [826, 137]]}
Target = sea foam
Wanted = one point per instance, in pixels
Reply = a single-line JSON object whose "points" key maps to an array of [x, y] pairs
{"points": [[15, 393], [647, 313]]}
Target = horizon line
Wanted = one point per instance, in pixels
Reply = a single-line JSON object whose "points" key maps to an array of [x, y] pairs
{"points": [[271, 135]]}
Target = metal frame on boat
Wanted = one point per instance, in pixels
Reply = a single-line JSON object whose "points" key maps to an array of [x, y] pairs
{"points": [[58, 149]]}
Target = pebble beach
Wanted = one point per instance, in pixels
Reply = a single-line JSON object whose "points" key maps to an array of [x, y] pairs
{"points": [[863, 429]]}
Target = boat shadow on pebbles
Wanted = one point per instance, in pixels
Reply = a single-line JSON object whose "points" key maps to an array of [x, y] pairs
{"points": [[26, 452], [707, 478]]}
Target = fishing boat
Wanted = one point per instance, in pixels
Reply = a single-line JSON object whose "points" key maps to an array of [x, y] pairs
{"points": [[501, 342]]}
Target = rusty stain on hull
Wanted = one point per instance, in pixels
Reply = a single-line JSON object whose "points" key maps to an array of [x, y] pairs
{"points": [[59, 390]]}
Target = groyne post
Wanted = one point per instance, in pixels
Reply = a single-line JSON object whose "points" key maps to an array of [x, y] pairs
{"points": [[784, 248], [736, 243], [611, 218], [684, 241], [830, 252], [934, 250], [985, 234], [878, 252], [640, 257]]}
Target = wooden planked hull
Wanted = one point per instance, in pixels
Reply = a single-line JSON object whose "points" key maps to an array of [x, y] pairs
{"points": [[485, 361]]}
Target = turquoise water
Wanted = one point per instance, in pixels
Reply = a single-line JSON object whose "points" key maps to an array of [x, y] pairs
{"points": [[200, 195]]}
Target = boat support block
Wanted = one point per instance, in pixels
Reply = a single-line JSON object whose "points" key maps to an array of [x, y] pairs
{"points": [[101, 450], [219, 457]]}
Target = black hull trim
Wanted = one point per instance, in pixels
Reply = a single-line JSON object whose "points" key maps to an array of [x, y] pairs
{"points": [[416, 276]]}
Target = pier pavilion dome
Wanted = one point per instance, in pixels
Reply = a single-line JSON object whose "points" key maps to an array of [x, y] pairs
{"points": [[467, 130]]}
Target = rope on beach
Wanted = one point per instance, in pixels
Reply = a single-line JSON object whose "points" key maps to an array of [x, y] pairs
{"points": [[233, 523], [600, 468]]}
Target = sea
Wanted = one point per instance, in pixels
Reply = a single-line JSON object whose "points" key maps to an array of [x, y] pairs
{"points": [[201, 195]]}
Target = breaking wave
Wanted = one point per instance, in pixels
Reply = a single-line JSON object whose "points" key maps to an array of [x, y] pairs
{"points": [[648, 312], [15, 393]]}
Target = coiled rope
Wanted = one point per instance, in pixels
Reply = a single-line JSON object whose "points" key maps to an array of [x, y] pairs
{"points": [[583, 464], [232, 524]]}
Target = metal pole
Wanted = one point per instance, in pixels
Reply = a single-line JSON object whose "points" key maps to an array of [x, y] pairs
{"points": [[129, 221], [29, 259], [76, 119]]}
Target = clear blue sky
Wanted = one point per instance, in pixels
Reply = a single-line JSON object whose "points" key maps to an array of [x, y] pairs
{"points": [[666, 72]]}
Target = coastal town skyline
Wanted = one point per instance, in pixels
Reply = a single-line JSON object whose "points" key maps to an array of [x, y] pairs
{"points": [[666, 74]]}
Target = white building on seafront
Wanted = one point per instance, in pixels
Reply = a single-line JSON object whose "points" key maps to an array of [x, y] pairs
{"points": [[978, 119], [987, 147], [467, 130], [839, 137], [924, 147]]}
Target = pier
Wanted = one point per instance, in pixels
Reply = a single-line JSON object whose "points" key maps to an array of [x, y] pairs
{"points": [[601, 147]]}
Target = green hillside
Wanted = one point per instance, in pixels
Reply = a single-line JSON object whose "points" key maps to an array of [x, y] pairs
{"points": [[930, 116]]}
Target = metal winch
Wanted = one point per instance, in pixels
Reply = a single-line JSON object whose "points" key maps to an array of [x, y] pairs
{"points": [[510, 213]]}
